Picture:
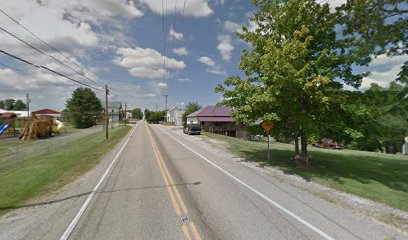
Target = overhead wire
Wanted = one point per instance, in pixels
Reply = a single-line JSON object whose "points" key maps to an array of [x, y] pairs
{"points": [[48, 69], [44, 53], [52, 57], [48, 45]]}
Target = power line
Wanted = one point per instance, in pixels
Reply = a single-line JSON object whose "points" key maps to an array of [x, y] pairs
{"points": [[46, 68], [42, 52], [15, 69], [48, 45], [182, 17]]}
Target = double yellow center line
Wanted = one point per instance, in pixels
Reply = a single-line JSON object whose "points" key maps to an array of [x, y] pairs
{"points": [[176, 199]]}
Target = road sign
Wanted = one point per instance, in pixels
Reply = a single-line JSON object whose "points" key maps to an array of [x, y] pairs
{"points": [[267, 125]]}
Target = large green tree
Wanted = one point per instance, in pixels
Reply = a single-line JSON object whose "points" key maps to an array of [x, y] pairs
{"points": [[190, 108], [137, 113], [9, 104], [19, 105], [83, 108], [299, 60], [154, 116]]}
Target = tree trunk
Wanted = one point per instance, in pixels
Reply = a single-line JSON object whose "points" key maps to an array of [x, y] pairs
{"points": [[296, 138], [303, 142]]}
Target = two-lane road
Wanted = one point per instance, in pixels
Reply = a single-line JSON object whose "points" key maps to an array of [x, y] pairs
{"points": [[163, 186]]}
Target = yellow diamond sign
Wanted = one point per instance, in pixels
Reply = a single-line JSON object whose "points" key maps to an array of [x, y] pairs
{"points": [[267, 125]]}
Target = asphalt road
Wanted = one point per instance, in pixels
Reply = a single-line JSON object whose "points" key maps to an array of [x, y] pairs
{"points": [[160, 185]]}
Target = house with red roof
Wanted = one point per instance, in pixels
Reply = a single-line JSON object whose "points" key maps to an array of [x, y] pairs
{"points": [[217, 119]]}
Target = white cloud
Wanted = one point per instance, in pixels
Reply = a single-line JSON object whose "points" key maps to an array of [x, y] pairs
{"points": [[194, 8], [146, 62], [384, 63], [217, 72], [173, 35], [231, 26], [68, 22], [333, 3], [183, 80], [180, 51], [157, 87], [383, 79], [212, 66], [207, 61], [162, 85], [384, 70], [225, 47]]}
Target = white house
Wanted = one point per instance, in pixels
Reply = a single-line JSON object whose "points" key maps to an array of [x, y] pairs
{"points": [[115, 112], [175, 115], [193, 117]]}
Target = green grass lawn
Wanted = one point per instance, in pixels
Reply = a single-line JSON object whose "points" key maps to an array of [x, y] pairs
{"points": [[376, 176], [4, 150], [48, 172]]}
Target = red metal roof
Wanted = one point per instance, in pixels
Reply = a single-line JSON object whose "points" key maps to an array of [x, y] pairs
{"points": [[212, 111], [46, 111], [215, 119]]}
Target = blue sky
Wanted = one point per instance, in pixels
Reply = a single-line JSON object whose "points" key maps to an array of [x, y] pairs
{"points": [[122, 42]]}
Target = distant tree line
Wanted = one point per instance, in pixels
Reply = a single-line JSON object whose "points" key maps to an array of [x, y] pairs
{"points": [[154, 116], [137, 113], [13, 104]]}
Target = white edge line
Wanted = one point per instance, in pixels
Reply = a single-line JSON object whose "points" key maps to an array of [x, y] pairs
{"points": [[290, 213], [81, 211]]}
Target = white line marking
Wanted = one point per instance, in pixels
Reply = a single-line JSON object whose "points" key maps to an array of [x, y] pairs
{"points": [[81, 211], [304, 222]]}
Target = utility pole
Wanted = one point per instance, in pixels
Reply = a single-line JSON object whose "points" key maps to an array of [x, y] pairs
{"points": [[125, 113], [106, 111], [165, 110], [28, 100]]}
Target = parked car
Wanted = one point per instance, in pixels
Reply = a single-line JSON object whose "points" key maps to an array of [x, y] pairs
{"points": [[192, 129], [328, 143]]}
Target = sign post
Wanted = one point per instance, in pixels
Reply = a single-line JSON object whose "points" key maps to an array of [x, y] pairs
{"points": [[267, 125]]}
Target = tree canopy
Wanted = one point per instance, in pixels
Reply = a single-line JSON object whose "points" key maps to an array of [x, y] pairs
{"points": [[13, 104], [302, 54], [190, 108], [83, 108], [137, 113], [154, 116]]}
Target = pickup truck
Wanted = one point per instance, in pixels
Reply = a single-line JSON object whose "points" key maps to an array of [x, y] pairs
{"points": [[192, 129]]}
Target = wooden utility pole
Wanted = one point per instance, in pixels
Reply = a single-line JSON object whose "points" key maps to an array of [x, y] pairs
{"points": [[28, 100], [106, 111], [125, 113], [165, 110]]}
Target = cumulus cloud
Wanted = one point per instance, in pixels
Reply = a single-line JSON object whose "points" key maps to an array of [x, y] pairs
{"points": [[225, 47], [212, 67], [180, 51], [161, 85], [146, 62], [207, 61], [194, 8], [231, 26], [173, 35]]}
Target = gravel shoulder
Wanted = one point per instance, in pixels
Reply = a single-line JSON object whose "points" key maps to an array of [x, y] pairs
{"points": [[378, 212]]}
